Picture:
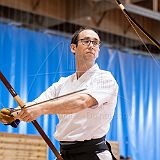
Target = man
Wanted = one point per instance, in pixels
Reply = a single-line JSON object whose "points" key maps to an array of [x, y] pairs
{"points": [[84, 118]]}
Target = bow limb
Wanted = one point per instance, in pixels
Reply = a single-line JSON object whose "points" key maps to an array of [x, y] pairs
{"points": [[35, 123], [131, 20]]}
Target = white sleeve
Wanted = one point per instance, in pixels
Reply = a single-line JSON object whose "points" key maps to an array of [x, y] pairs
{"points": [[52, 91], [103, 88]]}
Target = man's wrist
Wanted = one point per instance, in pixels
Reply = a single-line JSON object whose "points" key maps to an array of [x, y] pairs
{"points": [[14, 124]]}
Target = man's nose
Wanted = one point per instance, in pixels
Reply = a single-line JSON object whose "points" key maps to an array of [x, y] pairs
{"points": [[91, 44]]}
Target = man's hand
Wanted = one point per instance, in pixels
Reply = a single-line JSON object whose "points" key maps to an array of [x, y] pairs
{"points": [[6, 117], [28, 114]]}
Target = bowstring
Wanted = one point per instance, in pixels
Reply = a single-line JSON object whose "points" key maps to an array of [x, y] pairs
{"points": [[35, 76], [133, 25]]}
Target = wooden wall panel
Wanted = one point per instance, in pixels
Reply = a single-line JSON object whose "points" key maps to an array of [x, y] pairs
{"points": [[115, 149], [22, 147]]}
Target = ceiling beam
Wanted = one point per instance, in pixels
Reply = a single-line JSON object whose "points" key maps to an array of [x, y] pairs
{"points": [[143, 11], [49, 8], [134, 1], [155, 5]]}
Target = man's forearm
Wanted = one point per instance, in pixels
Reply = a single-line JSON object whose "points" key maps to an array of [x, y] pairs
{"points": [[65, 105], [68, 105]]}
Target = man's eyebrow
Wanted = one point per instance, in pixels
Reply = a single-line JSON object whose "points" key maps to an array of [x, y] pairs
{"points": [[90, 38]]}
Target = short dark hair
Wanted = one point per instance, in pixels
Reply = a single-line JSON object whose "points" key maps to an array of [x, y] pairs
{"points": [[74, 39]]}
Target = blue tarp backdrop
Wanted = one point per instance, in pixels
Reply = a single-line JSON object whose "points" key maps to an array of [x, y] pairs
{"points": [[32, 61]]}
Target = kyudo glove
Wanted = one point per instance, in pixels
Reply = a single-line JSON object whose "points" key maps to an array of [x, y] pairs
{"points": [[6, 115]]}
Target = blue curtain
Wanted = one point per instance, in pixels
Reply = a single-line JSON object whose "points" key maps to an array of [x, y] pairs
{"points": [[32, 61]]}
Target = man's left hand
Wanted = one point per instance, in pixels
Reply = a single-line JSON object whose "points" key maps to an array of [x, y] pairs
{"points": [[6, 117]]}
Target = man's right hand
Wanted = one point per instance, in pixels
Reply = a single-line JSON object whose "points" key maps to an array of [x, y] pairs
{"points": [[6, 117]]}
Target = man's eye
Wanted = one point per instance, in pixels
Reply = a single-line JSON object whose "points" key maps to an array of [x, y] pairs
{"points": [[86, 41], [95, 42]]}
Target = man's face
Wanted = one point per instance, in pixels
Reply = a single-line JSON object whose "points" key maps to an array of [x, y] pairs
{"points": [[87, 46]]}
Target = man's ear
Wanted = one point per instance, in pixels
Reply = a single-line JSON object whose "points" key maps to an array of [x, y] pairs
{"points": [[73, 48]]}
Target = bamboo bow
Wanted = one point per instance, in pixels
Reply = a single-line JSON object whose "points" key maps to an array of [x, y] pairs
{"points": [[35, 123]]}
